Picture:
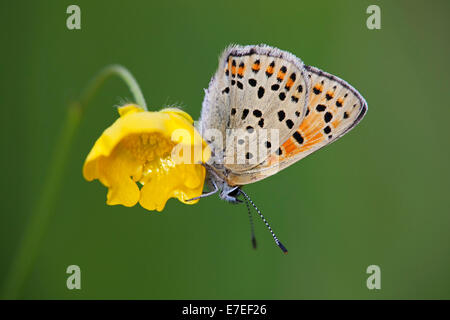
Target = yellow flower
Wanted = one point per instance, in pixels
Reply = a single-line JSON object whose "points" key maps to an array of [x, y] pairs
{"points": [[149, 157]]}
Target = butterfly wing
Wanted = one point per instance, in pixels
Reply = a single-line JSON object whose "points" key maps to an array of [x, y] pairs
{"points": [[334, 108], [255, 88]]}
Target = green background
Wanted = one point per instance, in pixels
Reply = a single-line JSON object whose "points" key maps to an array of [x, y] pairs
{"points": [[377, 196]]}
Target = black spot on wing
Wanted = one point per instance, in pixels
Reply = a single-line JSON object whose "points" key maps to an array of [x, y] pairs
{"points": [[275, 87], [257, 113], [289, 123], [244, 114], [298, 137], [321, 107], [260, 92]]}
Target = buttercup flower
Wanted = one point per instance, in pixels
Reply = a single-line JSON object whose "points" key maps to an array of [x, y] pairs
{"points": [[149, 157]]}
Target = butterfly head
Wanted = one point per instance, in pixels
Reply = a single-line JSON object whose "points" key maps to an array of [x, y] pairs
{"points": [[230, 194], [227, 192]]}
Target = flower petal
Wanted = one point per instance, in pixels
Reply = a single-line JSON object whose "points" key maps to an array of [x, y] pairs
{"points": [[182, 181], [119, 172]]}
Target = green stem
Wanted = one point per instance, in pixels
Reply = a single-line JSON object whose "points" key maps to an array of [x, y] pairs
{"points": [[29, 247], [119, 71]]}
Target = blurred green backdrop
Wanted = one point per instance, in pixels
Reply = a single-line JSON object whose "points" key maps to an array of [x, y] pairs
{"points": [[387, 182]]}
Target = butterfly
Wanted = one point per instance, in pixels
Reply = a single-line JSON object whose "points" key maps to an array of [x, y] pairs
{"points": [[264, 110]]}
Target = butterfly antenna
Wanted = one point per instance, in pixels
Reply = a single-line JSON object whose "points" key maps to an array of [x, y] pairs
{"points": [[251, 223], [278, 243]]}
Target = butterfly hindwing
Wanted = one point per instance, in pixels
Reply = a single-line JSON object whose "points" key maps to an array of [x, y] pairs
{"points": [[334, 108]]}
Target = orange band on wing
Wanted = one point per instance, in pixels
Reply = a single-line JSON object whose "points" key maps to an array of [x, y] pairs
{"points": [[256, 66], [289, 83], [241, 70], [280, 75]]}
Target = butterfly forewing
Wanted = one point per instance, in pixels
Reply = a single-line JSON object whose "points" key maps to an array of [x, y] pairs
{"points": [[257, 89]]}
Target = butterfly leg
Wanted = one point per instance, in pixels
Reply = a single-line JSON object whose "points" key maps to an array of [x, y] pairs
{"points": [[207, 194]]}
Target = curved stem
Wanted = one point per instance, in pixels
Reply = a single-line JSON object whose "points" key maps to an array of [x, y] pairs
{"points": [[29, 247], [107, 72]]}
